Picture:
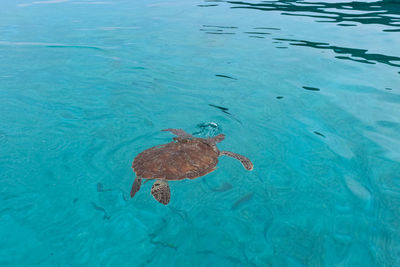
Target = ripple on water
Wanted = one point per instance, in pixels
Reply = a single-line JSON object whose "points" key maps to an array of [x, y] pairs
{"points": [[333, 12], [51, 45], [353, 53], [208, 129]]}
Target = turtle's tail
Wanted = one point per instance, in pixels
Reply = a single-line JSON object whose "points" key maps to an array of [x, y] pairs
{"points": [[136, 186]]}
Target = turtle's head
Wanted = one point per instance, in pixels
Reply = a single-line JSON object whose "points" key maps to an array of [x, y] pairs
{"points": [[216, 139]]}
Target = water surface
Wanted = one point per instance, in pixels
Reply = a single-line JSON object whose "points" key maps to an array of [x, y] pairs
{"points": [[309, 90]]}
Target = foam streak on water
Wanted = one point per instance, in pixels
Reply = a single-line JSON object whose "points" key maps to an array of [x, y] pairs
{"points": [[309, 91]]}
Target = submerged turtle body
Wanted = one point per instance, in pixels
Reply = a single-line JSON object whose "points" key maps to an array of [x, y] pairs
{"points": [[185, 157]]}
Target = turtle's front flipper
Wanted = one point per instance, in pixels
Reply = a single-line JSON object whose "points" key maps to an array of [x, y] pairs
{"points": [[136, 186], [178, 132], [245, 161], [161, 192]]}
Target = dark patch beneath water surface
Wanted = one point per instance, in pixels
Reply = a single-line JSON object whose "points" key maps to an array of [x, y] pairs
{"points": [[222, 188], [318, 133], [242, 200], [99, 208], [391, 30], [267, 28], [207, 5], [224, 110], [215, 29], [311, 88], [220, 32], [221, 27], [225, 76], [257, 32], [347, 25], [100, 188], [356, 60]]}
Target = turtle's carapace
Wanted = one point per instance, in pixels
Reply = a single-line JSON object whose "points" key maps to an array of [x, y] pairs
{"points": [[187, 157]]}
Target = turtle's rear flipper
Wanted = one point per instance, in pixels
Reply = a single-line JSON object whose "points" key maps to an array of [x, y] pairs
{"points": [[178, 132], [245, 161], [161, 192], [136, 186]]}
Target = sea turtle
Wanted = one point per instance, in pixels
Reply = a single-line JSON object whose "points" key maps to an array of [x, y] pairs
{"points": [[185, 157]]}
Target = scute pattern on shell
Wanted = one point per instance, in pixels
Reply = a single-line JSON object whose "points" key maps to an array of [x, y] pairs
{"points": [[188, 158]]}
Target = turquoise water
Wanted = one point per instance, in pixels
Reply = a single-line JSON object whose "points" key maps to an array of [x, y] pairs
{"points": [[309, 91]]}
